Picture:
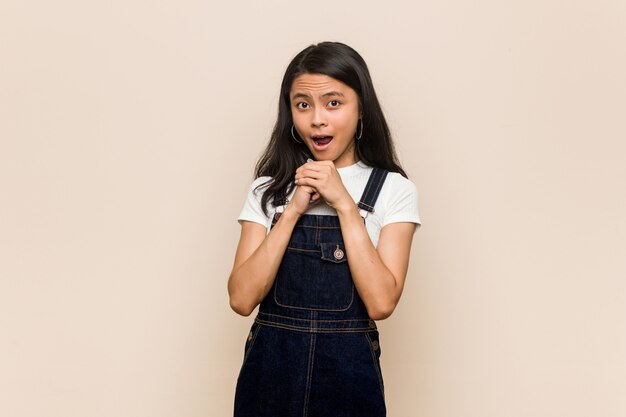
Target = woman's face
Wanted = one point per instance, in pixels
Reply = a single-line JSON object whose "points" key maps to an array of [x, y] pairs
{"points": [[325, 113]]}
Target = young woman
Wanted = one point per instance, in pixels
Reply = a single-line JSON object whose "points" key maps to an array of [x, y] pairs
{"points": [[325, 239]]}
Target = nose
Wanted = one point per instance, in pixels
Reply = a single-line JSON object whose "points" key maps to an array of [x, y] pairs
{"points": [[319, 117]]}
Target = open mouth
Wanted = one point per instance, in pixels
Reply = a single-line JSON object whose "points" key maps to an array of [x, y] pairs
{"points": [[321, 142]]}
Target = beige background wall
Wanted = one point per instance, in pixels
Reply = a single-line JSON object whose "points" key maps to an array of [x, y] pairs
{"points": [[128, 133]]}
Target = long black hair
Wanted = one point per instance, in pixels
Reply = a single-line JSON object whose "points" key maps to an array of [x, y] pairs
{"points": [[283, 155]]}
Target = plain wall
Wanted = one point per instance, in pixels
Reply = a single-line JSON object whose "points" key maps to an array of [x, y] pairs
{"points": [[128, 134]]}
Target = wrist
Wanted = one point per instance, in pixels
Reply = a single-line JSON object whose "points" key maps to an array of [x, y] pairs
{"points": [[346, 208], [290, 213]]}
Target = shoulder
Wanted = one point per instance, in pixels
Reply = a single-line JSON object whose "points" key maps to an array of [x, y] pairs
{"points": [[252, 209], [396, 183], [259, 185], [399, 199]]}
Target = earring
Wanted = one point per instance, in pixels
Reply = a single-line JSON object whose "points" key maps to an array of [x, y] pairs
{"points": [[361, 133], [293, 135]]}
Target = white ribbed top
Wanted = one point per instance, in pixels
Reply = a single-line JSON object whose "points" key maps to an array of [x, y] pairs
{"points": [[397, 202]]}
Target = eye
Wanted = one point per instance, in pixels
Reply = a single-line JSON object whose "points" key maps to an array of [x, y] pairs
{"points": [[333, 103], [302, 105]]}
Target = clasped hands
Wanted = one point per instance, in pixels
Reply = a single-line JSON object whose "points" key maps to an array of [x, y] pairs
{"points": [[319, 179]]}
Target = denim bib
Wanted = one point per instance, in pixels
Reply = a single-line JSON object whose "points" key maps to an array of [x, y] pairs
{"points": [[313, 350]]}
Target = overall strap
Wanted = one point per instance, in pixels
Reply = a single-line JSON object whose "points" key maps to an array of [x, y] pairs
{"points": [[279, 201], [372, 189]]}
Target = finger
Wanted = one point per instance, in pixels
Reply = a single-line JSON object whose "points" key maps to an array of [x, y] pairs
{"points": [[306, 173], [319, 164], [319, 168], [310, 162], [312, 169], [307, 181], [300, 170], [307, 189], [315, 197], [314, 165], [298, 179]]}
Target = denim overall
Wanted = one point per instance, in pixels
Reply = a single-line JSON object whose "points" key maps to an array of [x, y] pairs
{"points": [[313, 351]]}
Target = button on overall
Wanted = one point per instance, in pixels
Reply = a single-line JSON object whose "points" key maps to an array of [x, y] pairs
{"points": [[338, 253]]}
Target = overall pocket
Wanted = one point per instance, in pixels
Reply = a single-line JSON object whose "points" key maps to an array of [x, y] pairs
{"points": [[314, 277]]}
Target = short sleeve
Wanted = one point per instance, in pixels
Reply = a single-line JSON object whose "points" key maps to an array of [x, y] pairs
{"points": [[252, 210], [403, 202]]}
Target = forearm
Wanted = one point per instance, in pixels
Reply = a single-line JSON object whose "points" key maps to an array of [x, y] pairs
{"points": [[251, 280], [375, 283]]}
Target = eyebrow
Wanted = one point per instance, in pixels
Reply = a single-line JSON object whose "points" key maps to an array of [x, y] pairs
{"points": [[329, 94]]}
